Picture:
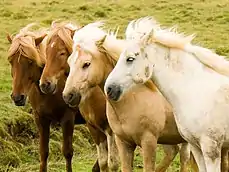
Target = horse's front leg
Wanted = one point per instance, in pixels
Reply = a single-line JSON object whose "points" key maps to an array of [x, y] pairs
{"points": [[100, 140], [224, 160], [212, 153], [149, 145], [43, 125], [67, 125], [170, 153], [113, 159], [126, 154]]}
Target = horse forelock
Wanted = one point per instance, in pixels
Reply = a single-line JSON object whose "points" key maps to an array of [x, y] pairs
{"points": [[25, 45], [89, 34], [64, 32]]}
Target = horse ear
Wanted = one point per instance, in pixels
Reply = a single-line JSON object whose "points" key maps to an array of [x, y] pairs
{"points": [[9, 38], [73, 32], [148, 39], [100, 42], [39, 39]]}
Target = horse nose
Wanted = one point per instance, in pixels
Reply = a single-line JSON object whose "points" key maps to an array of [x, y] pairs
{"points": [[47, 87], [114, 92], [19, 99], [73, 99]]}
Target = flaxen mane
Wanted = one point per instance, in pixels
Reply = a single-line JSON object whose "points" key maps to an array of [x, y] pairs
{"points": [[172, 39], [110, 40], [64, 31], [24, 44]]}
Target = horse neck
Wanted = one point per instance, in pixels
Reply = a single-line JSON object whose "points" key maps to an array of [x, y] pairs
{"points": [[176, 73]]}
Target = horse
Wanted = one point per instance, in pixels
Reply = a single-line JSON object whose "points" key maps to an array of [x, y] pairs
{"points": [[93, 108], [27, 57], [193, 79], [141, 125]]}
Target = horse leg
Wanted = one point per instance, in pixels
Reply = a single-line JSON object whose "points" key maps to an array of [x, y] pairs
{"points": [[44, 132], [198, 158], [126, 154], [113, 161], [224, 160], [212, 154], [193, 163], [184, 157], [100, 140], [67, 149], [95, 167], [149, 145], [170, 153]]}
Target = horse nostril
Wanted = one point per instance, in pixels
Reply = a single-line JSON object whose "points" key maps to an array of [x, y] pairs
{"points": [[70, 97], [48, 84], [22, 97], [109, 89]]}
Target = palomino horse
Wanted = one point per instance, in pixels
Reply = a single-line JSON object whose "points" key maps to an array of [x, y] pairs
{"points": [[133, 125], [93, 108], [26, 56], [193, 79]]}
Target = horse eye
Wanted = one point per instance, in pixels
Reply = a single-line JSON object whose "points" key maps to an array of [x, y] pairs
{"points": [[86, 65], [130, 59], [62, 54]]}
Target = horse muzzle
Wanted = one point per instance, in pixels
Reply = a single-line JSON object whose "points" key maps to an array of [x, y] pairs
{"points": [[113, 92], [48, 87], [72, 98], [19, 100]]}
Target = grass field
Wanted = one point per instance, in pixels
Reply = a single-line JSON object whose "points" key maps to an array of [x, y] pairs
{"points": [[209, 19]]}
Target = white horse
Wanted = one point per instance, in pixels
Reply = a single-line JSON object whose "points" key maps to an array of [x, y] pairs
{"points": [[193, 79]]}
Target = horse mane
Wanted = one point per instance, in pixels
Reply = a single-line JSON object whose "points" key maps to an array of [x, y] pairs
{"points": [[171, 38], [64, 31], [24, 43], [113, 47], [87, 36]]}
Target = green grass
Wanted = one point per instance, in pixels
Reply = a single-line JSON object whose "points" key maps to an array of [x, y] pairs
{"points": [[209, 19]]}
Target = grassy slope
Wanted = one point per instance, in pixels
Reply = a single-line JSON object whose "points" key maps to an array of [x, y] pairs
{"points": [[209, 19]]}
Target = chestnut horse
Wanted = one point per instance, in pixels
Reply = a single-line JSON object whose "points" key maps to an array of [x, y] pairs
{"points": [[90, 64], [93, 108], [27, 57]]}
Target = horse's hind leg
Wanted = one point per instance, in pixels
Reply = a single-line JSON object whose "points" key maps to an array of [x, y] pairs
{"points": [[184, 157], [149, 145], [100, 140], [224, 160], [44, 132], [212, 154], [170, 153], [113, 159], [126, 154], [67, 129]]}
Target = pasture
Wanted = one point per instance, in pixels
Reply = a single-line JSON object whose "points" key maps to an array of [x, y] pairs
{"points": [[209, 19]]}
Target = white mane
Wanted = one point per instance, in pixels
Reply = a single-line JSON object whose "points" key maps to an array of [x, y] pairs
{"points": [[88, 35], [136, 29], [143, 27]]}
